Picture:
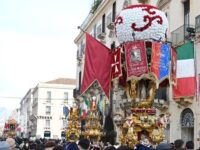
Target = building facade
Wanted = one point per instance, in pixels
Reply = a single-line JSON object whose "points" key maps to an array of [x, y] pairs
{"points": [[182, 15], [43, 115], [25, 113]]}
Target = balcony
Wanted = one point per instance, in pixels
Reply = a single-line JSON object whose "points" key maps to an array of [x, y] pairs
{"points": [[101, 34], [33, 117], [197, 23], [47, 128], [161, 104], [181, 35], [109, 23], [79, 55]]}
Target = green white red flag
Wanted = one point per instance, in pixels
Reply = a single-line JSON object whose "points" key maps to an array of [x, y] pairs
{"points": [[186, 80]]}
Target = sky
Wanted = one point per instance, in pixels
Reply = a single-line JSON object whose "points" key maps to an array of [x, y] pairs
{"points": [[36, 44]]}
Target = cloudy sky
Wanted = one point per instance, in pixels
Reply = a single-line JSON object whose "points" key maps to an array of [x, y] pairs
{"points": [[36, 43]]}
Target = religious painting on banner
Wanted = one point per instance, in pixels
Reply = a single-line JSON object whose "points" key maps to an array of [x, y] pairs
{"points": [[136, 59], [116, 64], [160, 61], [173, 66]]}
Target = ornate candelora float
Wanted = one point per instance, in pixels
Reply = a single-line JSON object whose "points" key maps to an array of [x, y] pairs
{"points": [[141, 31], [73, 129], [10, 128], [92, 128]]}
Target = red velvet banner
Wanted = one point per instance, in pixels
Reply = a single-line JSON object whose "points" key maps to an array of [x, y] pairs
{"points": [[97, 65], [173, 66], [136, 59], [155, 59], [116, 64]]}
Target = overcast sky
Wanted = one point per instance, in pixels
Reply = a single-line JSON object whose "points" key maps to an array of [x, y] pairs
{"points": [[36, 43]]}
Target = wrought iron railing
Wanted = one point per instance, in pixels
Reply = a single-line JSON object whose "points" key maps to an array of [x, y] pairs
{"points": [[181, 35]]}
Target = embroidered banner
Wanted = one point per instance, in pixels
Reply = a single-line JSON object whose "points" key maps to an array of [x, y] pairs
{"points": [[160, 60], [116, 64], [173, 66], [136, 59]]}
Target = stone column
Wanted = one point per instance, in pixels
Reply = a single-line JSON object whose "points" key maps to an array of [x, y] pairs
{"points": [[197, 99]]}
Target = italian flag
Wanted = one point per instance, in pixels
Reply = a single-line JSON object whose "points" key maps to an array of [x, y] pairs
{"points": [[185, 74], [84, 108]]}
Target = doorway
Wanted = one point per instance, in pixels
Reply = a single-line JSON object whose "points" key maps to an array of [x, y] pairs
{"points": [[187, 125]]}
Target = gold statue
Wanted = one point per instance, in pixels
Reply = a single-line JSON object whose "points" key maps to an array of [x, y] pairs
{"points": [[141, 95], [157, 135], [73, 129]]}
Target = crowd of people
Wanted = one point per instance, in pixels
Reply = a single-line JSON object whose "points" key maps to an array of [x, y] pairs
{"points": [[84, 144]]}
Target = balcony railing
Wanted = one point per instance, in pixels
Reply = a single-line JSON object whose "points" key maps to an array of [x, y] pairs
{"points": [[180, 35]]}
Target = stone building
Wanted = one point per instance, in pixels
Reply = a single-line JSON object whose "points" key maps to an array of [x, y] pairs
{"points": [[42, 107], [182, 15]]}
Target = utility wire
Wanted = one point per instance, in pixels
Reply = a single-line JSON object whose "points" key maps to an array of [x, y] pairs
{"points": [[8, 97]]}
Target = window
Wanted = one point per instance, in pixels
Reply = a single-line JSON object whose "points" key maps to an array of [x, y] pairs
{"points": [[103, 23], [48, 95], [79, 80], [95, 31], [48, 110], [186, 16], [66, 96], [187, 118], [47, 134], [114, 12], [186, 11], [161, 93], [47, 123], [82, 48]]}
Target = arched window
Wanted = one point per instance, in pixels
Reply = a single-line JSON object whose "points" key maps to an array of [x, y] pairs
{"points": [[187, 118]]}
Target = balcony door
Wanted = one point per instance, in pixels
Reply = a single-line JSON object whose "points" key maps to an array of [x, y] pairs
{"points": [[186, 16]]}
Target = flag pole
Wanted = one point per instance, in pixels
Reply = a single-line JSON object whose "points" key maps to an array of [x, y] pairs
{"points": [[79, 27]]}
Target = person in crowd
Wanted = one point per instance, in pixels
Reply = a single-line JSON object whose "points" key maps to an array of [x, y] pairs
{"points": [[164, 146], [124, 148], [49, 145], [179, 144], [145, 144], [71, 146], [84, 144], [58, 147], [11, 143], [189, 145], [4, 145], [110, 148]]}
